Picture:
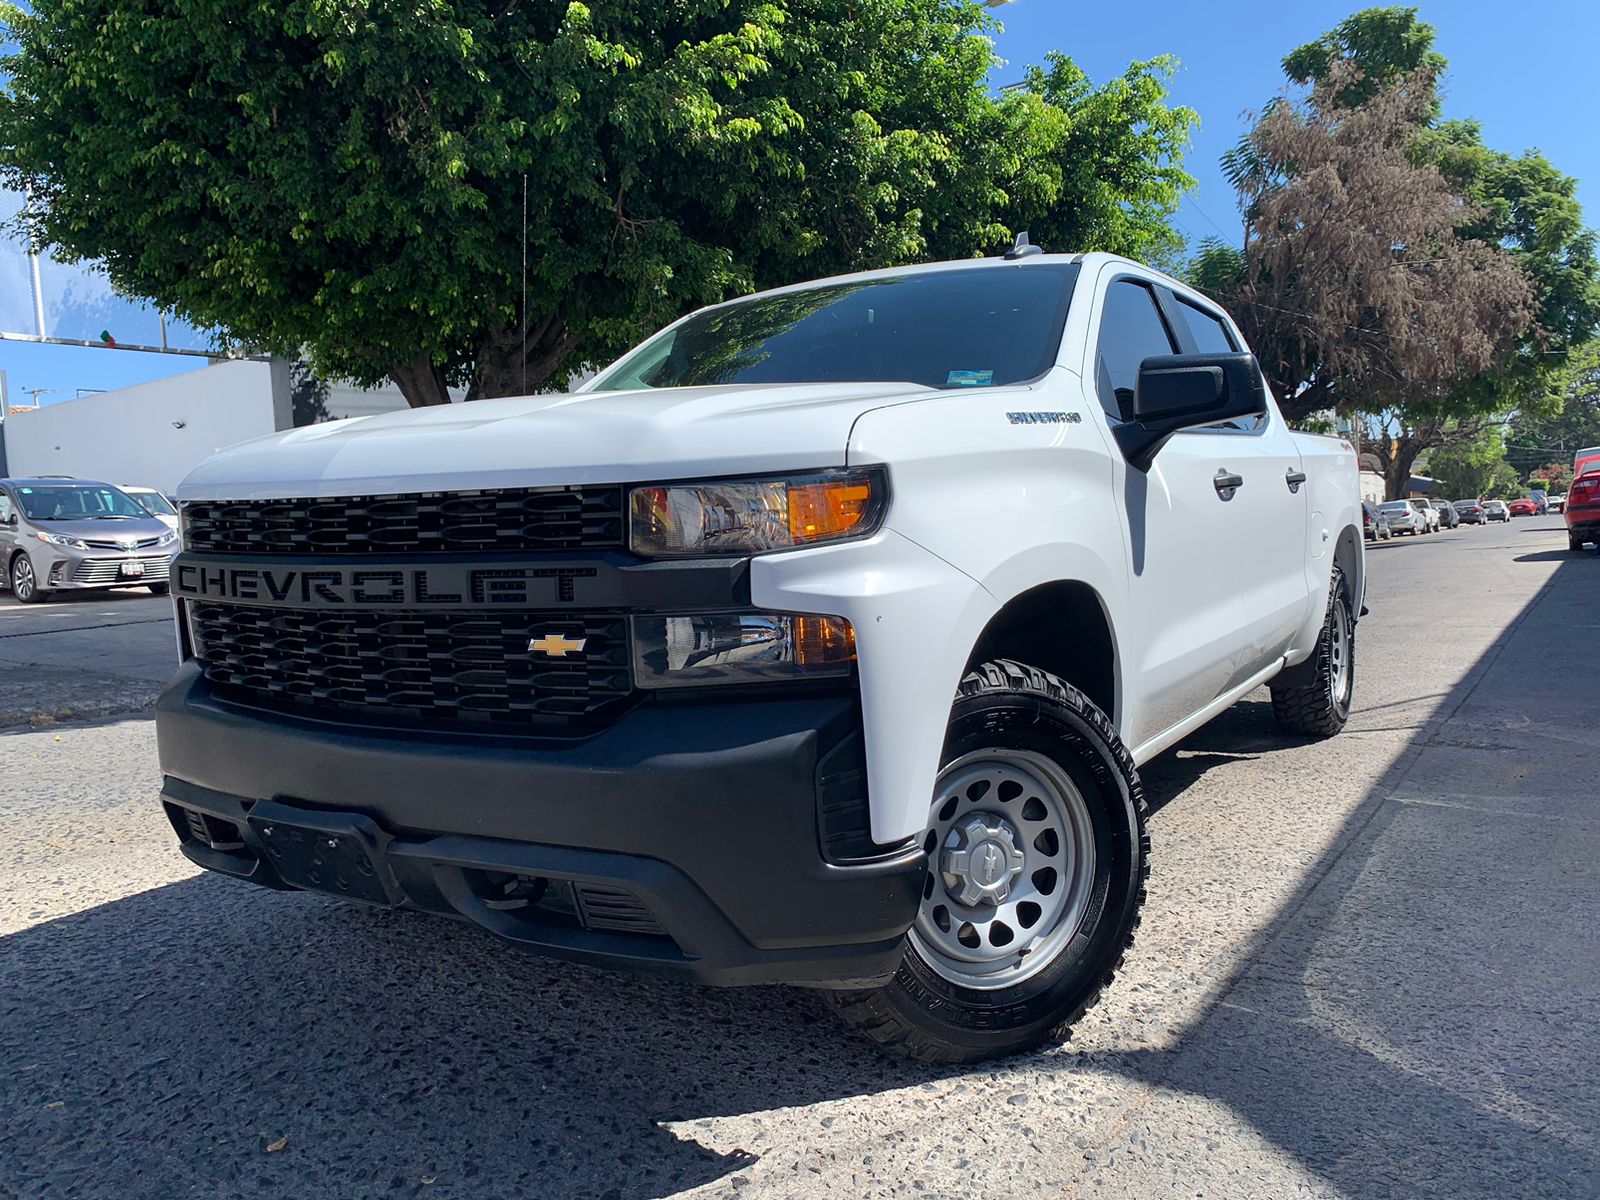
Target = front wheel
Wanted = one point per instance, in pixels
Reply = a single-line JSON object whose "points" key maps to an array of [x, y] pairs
{"points": [[24, 583], [1321, 707], [1037, 859], [159, 589]]}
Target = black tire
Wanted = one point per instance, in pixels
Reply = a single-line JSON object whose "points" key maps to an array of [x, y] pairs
{"points": [[1321, 708], [922, 1014], [24, 583], [159, 589], [1574, 543]]}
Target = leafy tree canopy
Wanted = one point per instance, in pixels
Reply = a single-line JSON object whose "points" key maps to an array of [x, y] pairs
{"points": [[348, 180], [1382, 45]]}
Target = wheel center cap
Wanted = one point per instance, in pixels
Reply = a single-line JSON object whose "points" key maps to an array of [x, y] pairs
{"points": [[988, 863], [980, 860]]}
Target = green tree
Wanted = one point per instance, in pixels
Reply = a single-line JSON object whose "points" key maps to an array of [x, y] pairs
{"points": [[350, 184], [1383, 46], [1469, 467]]}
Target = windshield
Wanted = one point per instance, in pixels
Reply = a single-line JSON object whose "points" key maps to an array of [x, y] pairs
{"points": [[78, 502], [155, 502], [971, 327], [1395, 506]]}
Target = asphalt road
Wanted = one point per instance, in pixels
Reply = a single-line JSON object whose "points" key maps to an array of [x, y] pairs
{"points": [[1368, 967]]}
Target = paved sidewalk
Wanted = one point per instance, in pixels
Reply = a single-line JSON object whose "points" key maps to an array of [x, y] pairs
{"points": [[1426, 1021]]}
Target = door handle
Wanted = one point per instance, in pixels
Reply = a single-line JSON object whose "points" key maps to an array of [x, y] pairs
{"points": [[1294, 479], [1227, 483]]}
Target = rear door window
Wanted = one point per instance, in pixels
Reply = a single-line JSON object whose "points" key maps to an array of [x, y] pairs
{"points": [[1210, 335]]}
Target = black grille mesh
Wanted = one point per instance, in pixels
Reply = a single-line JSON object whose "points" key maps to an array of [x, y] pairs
{"points": [[513, 519], [468, 670]]}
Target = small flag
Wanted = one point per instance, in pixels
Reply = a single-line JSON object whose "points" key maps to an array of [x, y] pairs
{"points": [[107, 340]]}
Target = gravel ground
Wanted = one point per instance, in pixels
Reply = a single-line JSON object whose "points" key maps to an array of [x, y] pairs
{"points": [[1368, 967]]}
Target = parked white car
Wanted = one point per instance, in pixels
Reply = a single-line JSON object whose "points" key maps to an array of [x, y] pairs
{"points": [[818, 640], [158, 504], [1430, 518]]}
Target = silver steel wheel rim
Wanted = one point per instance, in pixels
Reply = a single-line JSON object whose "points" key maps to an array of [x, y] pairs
{"points": [[1339, 653], [997, 940], [22, 579]]}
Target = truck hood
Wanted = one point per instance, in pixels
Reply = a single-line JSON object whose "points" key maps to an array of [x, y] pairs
{"points": [[534, 441]]}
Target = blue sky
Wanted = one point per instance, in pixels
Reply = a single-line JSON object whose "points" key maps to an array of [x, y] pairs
{"points": [[1525, 72]]}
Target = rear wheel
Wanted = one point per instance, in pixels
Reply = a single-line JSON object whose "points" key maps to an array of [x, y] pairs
{"points": [[1037, 857], [24, 583], [1574, 543], [1321, 707]]}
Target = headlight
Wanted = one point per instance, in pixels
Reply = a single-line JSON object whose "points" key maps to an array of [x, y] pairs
{"points": [[61, 539], [744, 516], [733, 648], [167, 538]]}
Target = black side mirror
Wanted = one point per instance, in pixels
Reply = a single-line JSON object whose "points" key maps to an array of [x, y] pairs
{"points": [[1185, 391]]}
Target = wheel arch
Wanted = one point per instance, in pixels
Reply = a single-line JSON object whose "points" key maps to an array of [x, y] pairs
{"points": [[1349, 556], [1063, 627]]}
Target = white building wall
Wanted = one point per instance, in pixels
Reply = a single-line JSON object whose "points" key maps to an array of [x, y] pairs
{"points": [[153, 434]]}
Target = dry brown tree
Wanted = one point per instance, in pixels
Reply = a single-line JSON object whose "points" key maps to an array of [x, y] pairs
{"points": [[1355, 289]]}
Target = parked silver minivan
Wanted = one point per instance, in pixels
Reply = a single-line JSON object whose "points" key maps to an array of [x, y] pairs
{"points": [[61, 534]]}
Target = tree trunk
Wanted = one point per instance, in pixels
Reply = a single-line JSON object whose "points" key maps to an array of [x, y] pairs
{"points": [[508, 366], [1398, 469], [421, 383]]}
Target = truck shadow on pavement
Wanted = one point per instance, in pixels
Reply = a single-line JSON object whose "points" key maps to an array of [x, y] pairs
{"points": [[168, 1043], [159, 1044]]}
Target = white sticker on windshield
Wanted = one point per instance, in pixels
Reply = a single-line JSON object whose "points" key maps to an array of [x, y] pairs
{"points": [[969, 378]]}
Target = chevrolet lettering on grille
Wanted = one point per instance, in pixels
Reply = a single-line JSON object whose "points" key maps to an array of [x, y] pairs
{"points": [[455, 586]]}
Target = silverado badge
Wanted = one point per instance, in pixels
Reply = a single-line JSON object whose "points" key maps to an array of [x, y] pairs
{"points": [[556, 646]]}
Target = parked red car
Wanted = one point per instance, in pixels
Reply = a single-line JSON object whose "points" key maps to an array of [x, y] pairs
{"points": [[1583, 510], [1523, 507]]}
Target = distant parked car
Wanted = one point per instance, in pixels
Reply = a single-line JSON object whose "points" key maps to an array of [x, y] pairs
{"points": [[1558, 503], [1469, 511], [1403, 518], [1495, 510], [1447, 515], [61, 534], [1523, 507], [1375, 523], [1583, 510], [1429, 517], [157, 504]]}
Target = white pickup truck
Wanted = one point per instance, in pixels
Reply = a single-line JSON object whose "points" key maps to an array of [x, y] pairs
{"points": [[818, 640]]}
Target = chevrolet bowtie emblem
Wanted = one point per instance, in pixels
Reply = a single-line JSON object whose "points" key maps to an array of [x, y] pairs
{"points": [[556, 646]]}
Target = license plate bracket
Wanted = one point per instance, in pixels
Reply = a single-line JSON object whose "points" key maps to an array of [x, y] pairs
{"points": [[133, 570], [338, 854]]}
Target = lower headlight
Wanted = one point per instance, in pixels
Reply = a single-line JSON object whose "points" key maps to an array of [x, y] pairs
{"points": [[732, 648]]}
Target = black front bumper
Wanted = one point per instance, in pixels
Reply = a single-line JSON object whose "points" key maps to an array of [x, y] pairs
{"points": [[721, 840]]}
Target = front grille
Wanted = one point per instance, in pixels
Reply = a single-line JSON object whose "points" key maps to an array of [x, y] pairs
{"points": [[113, 544], [506, 520], [109, 570], [428, 669]]}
